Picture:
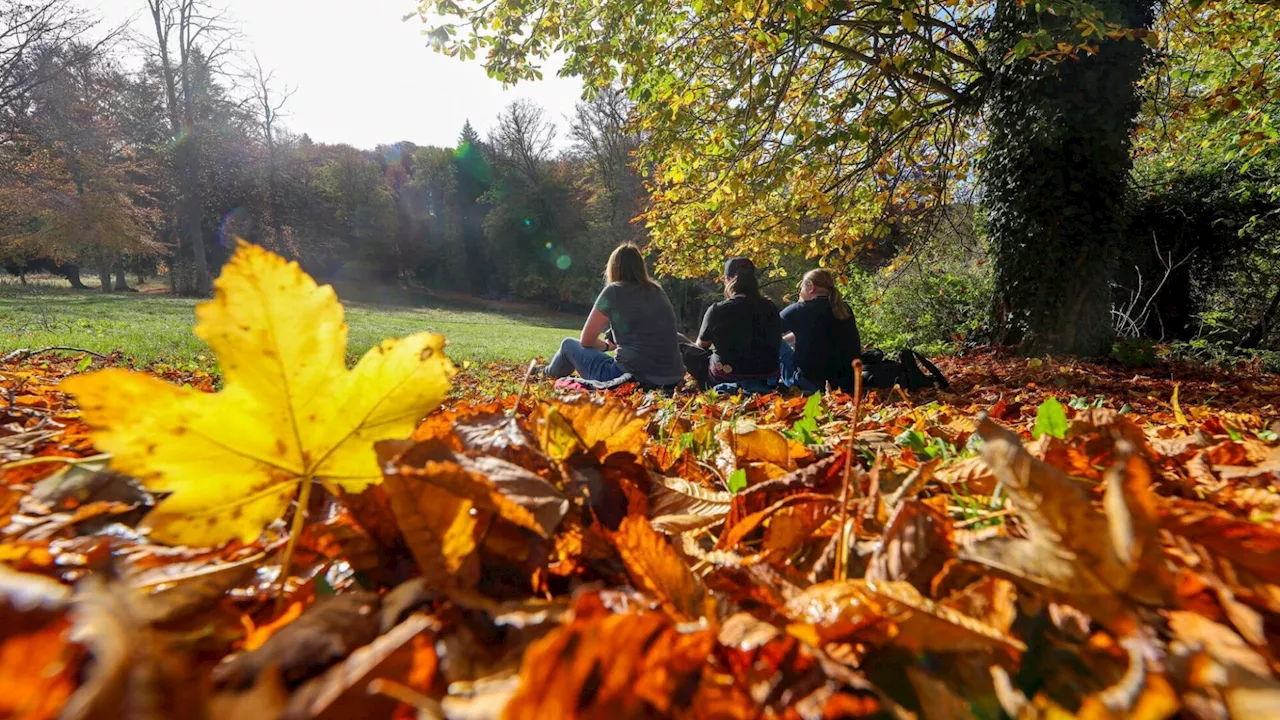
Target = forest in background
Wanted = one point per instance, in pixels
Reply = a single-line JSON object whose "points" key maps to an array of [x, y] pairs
{"points": [[109, 169], [121, 173]]}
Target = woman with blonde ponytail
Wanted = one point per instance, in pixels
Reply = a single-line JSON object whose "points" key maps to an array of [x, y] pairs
{"points": [[820, 336]]}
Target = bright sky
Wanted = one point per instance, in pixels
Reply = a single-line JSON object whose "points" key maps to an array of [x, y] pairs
{"points": [[365, 77]]}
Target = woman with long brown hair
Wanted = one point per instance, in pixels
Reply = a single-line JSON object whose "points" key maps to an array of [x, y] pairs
{"points": [[821, 339], [642, 325]]}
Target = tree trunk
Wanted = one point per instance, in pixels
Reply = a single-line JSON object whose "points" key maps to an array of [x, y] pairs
{"points": [[1259, 332], [191, 211], [104, 276], [71, 272], [122, 285], [1055, 176]]}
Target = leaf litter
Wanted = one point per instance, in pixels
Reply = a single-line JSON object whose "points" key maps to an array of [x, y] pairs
{"points": [[1049, 540]]}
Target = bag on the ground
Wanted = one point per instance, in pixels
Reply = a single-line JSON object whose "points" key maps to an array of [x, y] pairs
{"points": [[878, 371]]}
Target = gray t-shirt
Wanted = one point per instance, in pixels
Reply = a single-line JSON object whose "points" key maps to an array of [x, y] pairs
{"points": [[644, 327]]}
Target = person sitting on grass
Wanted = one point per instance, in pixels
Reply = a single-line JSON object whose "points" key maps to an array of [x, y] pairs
{"points": [[824, 333], [642, 325], [739, 339]]}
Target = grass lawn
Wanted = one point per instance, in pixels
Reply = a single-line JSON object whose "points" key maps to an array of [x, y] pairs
{"points": [[157, 328]]}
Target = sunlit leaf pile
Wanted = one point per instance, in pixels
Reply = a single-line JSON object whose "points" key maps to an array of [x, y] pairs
{"points": [[1048, 539]]}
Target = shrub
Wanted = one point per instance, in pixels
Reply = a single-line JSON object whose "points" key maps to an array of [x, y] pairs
{"points": [[930, 300]]}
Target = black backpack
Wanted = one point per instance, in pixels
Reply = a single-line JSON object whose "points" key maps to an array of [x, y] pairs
{"points": [[879, 371]]}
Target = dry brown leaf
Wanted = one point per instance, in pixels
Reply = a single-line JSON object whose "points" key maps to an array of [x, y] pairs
{"points": [[792, 526], [658, 568], [37, 666], [747, 444], [515, 484], [1247, 544], [923, 625], [440, 528], [733, 535], [600, 426], [134, 672], [677, 505], [511, 492], [616, 666], [178, 590], [992, 601], [341, 692], [326, 633], [836, 611], [914, 546], [1093, 559], [972, 474], [1217, 658]]}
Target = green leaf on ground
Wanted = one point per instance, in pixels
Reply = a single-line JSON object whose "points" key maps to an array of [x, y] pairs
{"points": [[1051, 419]]}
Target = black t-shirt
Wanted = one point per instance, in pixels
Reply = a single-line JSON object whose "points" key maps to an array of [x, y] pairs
{"points": [[744, 332], [825, 347]]}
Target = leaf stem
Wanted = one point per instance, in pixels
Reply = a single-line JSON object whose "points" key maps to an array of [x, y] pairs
{"points": [[295, 532], [842, 551]]}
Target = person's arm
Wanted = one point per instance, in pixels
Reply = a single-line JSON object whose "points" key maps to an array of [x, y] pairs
{"points": [[788, 332], [704, 334], [597, 323]]}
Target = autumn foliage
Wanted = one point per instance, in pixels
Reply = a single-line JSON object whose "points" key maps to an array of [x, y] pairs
{"points": [[1047, 539]]}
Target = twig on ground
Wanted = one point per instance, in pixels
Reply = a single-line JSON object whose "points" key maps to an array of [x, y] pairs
{"points": [[26, 353], [983, 518], [515, 409]]}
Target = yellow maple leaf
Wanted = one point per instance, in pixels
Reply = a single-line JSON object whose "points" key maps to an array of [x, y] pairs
{"points": [[290, 412]]}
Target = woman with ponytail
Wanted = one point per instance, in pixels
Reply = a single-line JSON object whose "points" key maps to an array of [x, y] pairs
{"points": [[821, 336], [739, 338]]}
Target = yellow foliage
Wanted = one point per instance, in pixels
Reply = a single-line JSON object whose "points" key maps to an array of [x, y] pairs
{"points": [[291, 412]]}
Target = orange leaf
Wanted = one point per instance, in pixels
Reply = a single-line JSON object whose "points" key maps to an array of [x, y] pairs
{"points": [[656, 566], [617, 666], [255, 637]]}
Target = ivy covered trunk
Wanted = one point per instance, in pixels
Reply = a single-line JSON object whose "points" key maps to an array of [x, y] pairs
{"points": [[1055, 177]]}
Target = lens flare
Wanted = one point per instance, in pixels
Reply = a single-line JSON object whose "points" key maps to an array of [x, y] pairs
{"points": [[564, 262]]}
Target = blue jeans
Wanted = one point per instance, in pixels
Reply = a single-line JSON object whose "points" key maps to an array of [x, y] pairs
{"points": [[792, 377], [590, 363]]}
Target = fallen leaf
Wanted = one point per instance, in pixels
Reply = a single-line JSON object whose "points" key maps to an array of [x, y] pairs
{"points": [[290, 412], [1071, 547], [132, 665], [341, 691], [677, 505], [257, 636], [326, 633], [513, 493], [656, 567], [622, 667], [440, 528], [601, 426], [915, 544], [1217, 658], [38, 666]]}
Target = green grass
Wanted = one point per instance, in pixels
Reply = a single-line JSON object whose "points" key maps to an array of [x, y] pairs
{"points": [[150, 328]]}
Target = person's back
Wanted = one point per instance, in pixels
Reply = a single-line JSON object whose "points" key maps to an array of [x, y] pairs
{"points": [[825, 346], [744, 332], [644, 328], [641, 322]]}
